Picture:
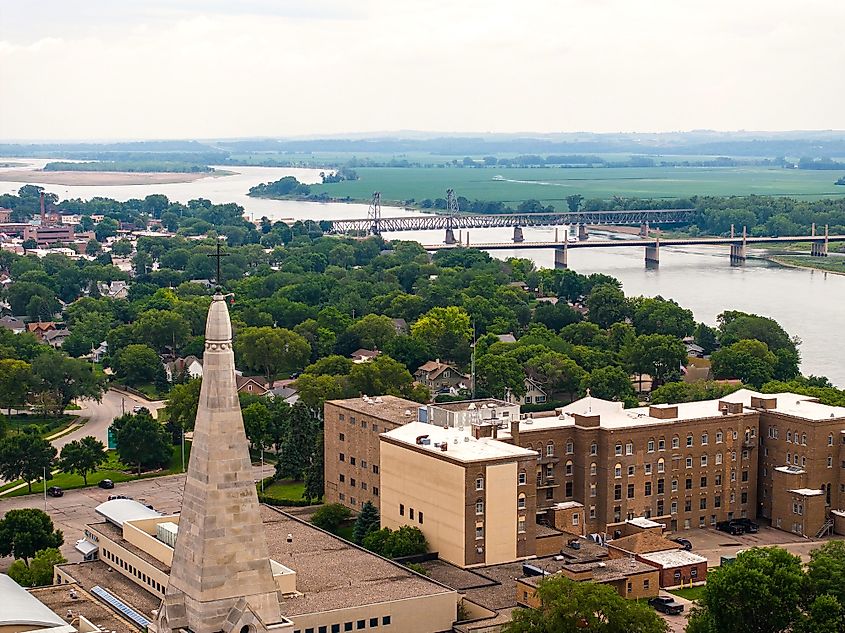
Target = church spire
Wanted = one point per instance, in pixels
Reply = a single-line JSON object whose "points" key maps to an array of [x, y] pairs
{"points": [[221, 575]]}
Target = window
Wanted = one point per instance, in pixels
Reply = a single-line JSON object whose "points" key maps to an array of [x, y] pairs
{"points": [[743, 497], [673, 508], [830, 462], [718, 437], [352, 460], [630, 491], [733, 456], [342, 437], [648, 489], [733, 475], [568, 489], [593, 490], [704, 439], [375, 491], [594, 449], [520, 525], [569, 467], [631, 471], [646, 583], [479, 507], [401, 509], [689, 440], [575, 518], [688, 484], [520, 502], [661, 445], [629, 448], [550, 493], [375, 469], [593, 469], [352, 482], [687, 505], [550, 471], [650, 446], [617, 471], [385, 620], [570, 447], [618, 449], [523, 478], [411, 513], [717, 501], [660, 507], [789, 436], [374, 426], [342, 457], [674, 485], [704, 460], [617, 492], [342, 477], [745, 475], [363, 463], [803, 439], [479, 531], [479, 483], [592, 512], [718, 458], [373, 622], [420, 517], [676, 442], [660, 486], [550, 449], [360, 624], [647, 468], [689, 462], [661, 465], [830, 440], [788, 458], [704, 482]]}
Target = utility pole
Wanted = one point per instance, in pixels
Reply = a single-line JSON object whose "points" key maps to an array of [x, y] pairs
{"points": [[45, 469], [472, 371]]}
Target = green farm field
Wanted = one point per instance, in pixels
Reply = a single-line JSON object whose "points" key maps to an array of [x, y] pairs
{"points": [[552, 185]]}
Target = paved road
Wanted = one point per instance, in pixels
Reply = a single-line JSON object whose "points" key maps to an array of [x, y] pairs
{"points": [[75, 509], [100, 415]]}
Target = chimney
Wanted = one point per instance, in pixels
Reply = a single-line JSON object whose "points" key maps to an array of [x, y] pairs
{"points": [[43, 212], [515, 432]]}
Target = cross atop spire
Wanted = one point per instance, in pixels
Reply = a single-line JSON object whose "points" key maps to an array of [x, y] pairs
{"points": [[218, 255]]}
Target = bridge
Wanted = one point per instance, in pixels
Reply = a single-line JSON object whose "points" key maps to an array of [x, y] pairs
{"points": [[737, 242]]}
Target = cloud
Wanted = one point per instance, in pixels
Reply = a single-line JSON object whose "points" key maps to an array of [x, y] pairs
{"points": [[157, 69]]}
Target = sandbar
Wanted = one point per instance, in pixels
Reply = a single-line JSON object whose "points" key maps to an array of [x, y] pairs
{"points": [[102, 178]]}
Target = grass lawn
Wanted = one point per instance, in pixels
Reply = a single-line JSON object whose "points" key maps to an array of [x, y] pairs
{"points": [[285, 489], [112, 469], [689, 593], [45, 426]]}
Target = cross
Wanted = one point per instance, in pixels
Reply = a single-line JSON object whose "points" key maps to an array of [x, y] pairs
{"points": [[218, 255]]}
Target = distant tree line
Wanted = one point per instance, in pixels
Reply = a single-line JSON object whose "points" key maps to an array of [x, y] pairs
{"points": [[129, 166]]}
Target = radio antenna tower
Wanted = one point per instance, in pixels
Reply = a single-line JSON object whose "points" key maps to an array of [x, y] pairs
{"points": [[374, 214]]}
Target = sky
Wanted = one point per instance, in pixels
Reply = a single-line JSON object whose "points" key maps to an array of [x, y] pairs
{"points": [[139, 69]]}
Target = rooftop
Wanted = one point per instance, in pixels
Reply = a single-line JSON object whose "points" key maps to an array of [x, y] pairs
{"points": [[807, 492], [464, 405], [643, 543], [20, 607], [462, 446], [793, 404], [610, 570], [673, 558], [117, 511], [388, 408]]}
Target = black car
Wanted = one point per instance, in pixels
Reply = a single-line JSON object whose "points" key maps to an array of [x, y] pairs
{"points": [[667, 605], [55, 491], [731, 527], [106, 484], [747, 524], [685, 543]]}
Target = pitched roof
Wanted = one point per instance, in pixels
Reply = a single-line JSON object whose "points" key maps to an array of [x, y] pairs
{"points": [[365, 353], [643, 542]]}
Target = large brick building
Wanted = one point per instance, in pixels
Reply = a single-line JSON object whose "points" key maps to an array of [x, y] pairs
{"points": [[778, 456]]}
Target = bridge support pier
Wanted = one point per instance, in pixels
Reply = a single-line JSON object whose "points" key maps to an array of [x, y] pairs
{"points": [[819, 248], [644, 230], [517, 234], [582, 232], [652, 255], [737, 254], [561, 253], [450, 237]]}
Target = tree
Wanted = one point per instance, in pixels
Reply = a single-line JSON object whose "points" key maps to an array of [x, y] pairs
{"points": [[68, 378], [314, 473], [256, 424], [331, 516], [660, 355], [27, 531], [748, 360], [25, 456], [567, 606], [406, 541], [444, 330], [826, 571], [39, 572], [272, 351], [15, 382], [607, 305], [609, 383], [661, 316], [298, 444], [825, 615], [411, 352], [162, 329], [315, 390], [82, 456], [674, 392], [574, 202], [122, 248], [367, 521], [92, 248], [182, 404], [759, 592], [142, 441], [137, 365], [557, 373], [496, 376], [382, 375], [374, 331], [736, 326], [556, 316], [706, 337]]}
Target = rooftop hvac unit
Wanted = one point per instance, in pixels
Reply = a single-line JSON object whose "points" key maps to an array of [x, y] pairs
{"points": [[167, 532]]}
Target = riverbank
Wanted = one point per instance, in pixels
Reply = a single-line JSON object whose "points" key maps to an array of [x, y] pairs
{"points": [[104, 178], [824, 265]]}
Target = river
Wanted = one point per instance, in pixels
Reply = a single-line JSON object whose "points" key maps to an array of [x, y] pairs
{"points": [[808, 304]]}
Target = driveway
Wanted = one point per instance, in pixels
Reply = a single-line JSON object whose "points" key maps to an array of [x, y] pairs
{"points": [[100, 415]]}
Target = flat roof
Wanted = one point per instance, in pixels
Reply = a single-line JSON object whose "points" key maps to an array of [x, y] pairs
{"points": [[20, 607], [388, 408], [673, 558], [610, 570], [99, 572], [480, 403], [793, 404], [462, 446], [58, 598]]}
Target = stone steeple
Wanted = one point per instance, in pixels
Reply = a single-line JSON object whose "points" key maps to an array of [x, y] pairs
{"points": [[220, 578]]}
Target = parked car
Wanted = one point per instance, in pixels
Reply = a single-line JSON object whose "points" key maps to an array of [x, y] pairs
{"points": [[667, 605], [106, 484], [731, 527], [137, 408], [685, 543], [113, 497], [747, 524], [55, 491]]}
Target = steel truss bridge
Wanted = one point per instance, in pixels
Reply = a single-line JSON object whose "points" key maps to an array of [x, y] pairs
{"points": [[376, 225]]}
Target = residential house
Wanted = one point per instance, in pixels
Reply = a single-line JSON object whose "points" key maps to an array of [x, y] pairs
{"points": [[401, 326], [693, 349], [439, 376], [283, 389], [100, 352], [11, 323], [5, 215], [535, 393], [114, 290], [55, 338], [251, 384], [40, 328], [190, 366], [363, 355], [506, 338]]}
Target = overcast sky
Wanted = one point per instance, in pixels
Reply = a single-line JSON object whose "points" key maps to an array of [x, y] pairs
{"points": [[101, 69]]}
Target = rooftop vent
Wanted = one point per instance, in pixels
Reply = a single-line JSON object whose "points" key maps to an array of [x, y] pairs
{"points": [[290, 538], [407, 412]]}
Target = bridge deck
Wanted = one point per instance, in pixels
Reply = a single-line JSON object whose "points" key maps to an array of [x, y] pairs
{"points": [[701, 241]]}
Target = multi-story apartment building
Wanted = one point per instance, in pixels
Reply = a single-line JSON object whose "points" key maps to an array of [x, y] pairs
{"points": [[779, 456]]}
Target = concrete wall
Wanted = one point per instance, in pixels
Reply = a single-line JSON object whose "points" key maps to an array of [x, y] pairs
{"points": [[501, 524], [142, 534], [429, 485]]}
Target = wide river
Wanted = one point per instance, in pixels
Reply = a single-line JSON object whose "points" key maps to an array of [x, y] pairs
{"points": [[809, 304]]}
